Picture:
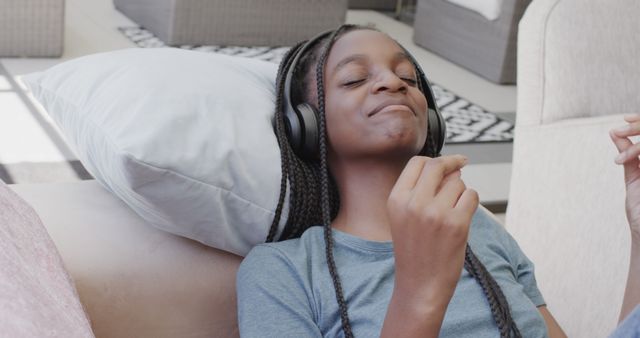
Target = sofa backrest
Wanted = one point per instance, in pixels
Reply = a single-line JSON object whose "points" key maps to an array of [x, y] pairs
{"points": [[578, 58]]}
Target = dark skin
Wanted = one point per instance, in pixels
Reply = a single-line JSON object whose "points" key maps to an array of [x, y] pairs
{"points": [[628, 157], [376, 124], [368, 152]]}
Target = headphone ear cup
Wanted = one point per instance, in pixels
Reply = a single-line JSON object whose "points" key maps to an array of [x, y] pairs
{"points": [[303, 131], [437, 128], [293, 129], [311, 131], [437, 132]]}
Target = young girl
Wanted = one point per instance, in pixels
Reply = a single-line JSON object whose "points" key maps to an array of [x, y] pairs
{"points": [[404, 250]]}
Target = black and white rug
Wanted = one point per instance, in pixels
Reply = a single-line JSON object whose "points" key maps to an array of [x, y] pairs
{"points": [[466, 121]]}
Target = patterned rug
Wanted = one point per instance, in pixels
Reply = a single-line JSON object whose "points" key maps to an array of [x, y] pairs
{"points": [[466, 121]]}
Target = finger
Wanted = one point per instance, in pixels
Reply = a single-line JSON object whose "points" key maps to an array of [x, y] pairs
{"points": [[622, 143], [626, 157], [632, 117], [630, 129], [434, 172], [467, 205], [448, 196], [449, 177], [629, 155], [410, 174]]}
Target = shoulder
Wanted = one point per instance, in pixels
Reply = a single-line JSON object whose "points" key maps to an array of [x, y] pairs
{"points": [[485, 224], [488, 235], [274, 290], [288, 256], [630, 327]]}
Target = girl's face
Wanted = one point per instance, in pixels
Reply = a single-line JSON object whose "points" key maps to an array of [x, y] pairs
{"points": [[372, 102]]}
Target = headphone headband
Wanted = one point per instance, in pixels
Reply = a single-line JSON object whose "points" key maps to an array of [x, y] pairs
{"points": [[301, 51], [301, 121]]}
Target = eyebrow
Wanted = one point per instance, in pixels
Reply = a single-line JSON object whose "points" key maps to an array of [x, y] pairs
{"points": [[363, 58]]}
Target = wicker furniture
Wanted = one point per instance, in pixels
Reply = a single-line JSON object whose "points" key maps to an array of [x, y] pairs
{"points": [[389, 5], [468, 39], [31, 28], [234, 22]]}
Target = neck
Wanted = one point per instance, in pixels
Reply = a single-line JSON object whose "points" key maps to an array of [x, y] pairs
{"points": [[364, 187]]}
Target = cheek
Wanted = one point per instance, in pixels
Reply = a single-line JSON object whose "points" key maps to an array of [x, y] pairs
{"points": [[421, 99], [343, 121], [336, 118]]}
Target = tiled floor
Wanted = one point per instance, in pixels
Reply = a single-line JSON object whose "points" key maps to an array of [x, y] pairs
{"points": [[27, 135]]}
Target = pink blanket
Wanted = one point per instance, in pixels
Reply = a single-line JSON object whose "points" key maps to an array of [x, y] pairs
{"points": [[37, 296]]}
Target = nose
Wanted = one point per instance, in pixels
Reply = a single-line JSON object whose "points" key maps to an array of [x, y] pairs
{"points": [[389, 81]]}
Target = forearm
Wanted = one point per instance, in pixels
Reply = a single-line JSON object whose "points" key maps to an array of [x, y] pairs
{"points": [[409, 316], [632, 292]]}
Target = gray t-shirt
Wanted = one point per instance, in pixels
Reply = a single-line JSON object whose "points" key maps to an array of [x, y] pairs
{"points": [[285, 289], [630, 327]]}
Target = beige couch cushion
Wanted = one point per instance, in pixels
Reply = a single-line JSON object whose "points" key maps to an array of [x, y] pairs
{"points": [[135, 280], [37, 297], [566, 210]]}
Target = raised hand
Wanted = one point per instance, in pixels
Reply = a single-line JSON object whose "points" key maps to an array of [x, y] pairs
{"points": [[629, 154], [430, 210]]}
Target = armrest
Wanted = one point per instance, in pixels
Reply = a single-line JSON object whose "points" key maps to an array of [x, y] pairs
{"points": [[566, 210]]}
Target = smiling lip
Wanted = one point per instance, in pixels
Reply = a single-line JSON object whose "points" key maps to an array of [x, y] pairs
{"points": [[391, 107]]}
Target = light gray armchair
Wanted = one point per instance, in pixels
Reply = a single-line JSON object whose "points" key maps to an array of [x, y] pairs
{"points": [[578, 73], [234, 22], [31, 28]]}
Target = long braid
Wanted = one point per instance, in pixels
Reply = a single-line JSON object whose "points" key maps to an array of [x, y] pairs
{"points": [[308, 180], [324, 182], [282, 141], [497, 301]]}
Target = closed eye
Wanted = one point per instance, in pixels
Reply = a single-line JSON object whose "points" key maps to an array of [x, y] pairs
{"points": [[412, 82], [354, 82]]}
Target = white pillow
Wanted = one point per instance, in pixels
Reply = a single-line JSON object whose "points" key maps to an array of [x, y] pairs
{"points": [[183, 137]]}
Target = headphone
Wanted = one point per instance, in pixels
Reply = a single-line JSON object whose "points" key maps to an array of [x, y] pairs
{"points": [[302, 125]]}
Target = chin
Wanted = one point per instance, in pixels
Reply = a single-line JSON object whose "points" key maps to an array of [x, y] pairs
{"points": [[401, 143], [403, 150], [408, 140]]}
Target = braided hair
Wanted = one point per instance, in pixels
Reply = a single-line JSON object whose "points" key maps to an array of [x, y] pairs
{"points": [[314, 197]]}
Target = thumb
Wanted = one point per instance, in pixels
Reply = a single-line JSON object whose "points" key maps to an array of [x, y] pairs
{"points": [[631, 165]]}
